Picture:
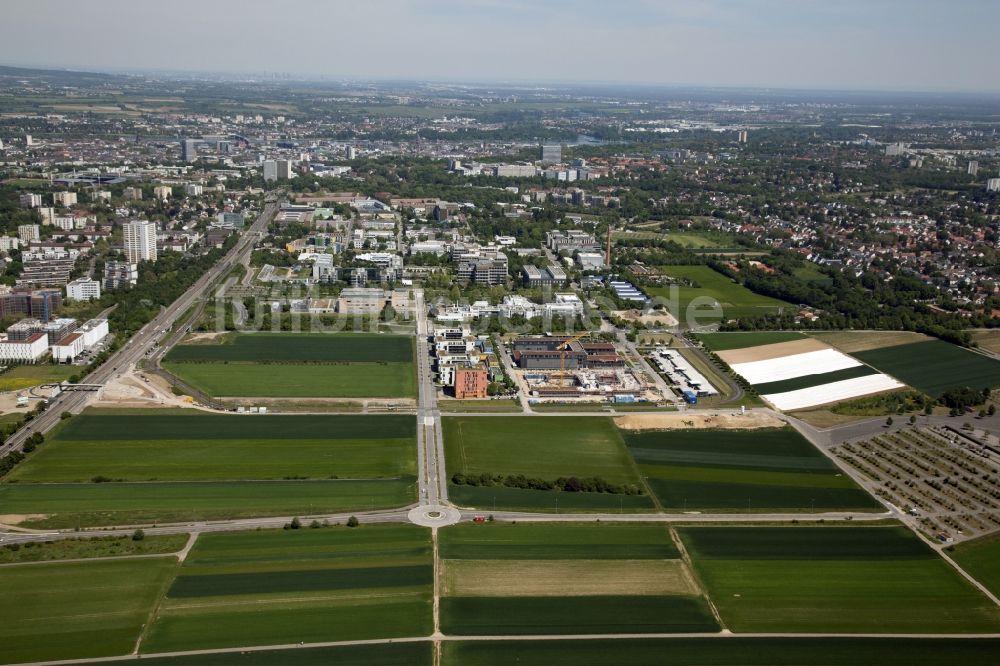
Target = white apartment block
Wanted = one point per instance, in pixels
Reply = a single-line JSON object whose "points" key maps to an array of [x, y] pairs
{"points": [[83, 289], [140, 241]]}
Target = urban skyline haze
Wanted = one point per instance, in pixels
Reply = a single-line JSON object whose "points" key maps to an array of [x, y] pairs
{"points": [[918, 45]]}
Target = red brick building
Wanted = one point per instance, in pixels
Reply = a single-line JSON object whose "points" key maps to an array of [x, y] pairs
{"points": [[471, 383]]}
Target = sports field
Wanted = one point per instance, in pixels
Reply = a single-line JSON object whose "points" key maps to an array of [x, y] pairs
{"points": [[544, 448], [78, 609], [980, 558], [282, 587], [107, 467], [586, 578], [738, 470], [714, 289], [834, 580], [731, 651], [297, 365], [934, 366]]}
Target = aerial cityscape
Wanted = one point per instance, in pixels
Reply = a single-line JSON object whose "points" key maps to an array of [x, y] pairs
{"points": [[436, 333]]}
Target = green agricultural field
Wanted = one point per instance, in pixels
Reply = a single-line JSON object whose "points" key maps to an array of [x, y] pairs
{"points": [[78, 609], [980, 559], [282, 587], [713, 288], [252, 380], [184, 445], [732, 651], [67, 505], [546, 448], [808, 381], [538, 541], [567, 578], [934, 366], [834, 580], [718, 342], [731, 470], [416, 653], [296, 365], [24, 376], [299, 347], [471, 616]]}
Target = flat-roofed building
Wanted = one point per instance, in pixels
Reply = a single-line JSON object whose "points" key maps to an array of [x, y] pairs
{"points": [[471, 383], [361, 300]]}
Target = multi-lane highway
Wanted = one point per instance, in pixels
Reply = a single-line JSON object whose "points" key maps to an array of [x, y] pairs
{"points": [[145, 339]]}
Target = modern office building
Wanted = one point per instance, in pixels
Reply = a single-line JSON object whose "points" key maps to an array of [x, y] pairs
{"points": [[140, 241], [270, 168], [189, 150], [83, 289], [550, 154]]}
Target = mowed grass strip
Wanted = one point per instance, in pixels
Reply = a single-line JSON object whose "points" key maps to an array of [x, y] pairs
{"points": [[834, 580], [541, 447], [253, 380], [77, 610], [934, 366], [492, 616], [305, 347], [565, 578], [738, 470], [68, 505], [525, 541], [725, 341], [733, 651]]}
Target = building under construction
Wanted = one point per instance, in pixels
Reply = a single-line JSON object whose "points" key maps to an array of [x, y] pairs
{"points": [[564, 353]]}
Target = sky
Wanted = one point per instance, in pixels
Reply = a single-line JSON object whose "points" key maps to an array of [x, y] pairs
{"points": [[916, 45]]}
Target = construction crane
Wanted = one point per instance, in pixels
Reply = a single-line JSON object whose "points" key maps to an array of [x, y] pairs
{"points": [[563, 348]]}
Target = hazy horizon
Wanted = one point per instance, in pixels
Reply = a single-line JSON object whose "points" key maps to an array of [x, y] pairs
{"points": [[887, 45]]}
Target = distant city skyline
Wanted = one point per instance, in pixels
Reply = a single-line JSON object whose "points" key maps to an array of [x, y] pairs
{"points": [[891, 45]]}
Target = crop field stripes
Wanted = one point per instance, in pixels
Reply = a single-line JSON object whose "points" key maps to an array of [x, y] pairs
{"points": [[686, 558]]}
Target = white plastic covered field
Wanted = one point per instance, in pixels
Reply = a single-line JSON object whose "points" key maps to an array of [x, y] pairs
{"points": [[796, 365], [833, 392]]}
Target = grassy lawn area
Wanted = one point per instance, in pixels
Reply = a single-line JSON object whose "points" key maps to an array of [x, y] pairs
{"points": [[78, 609], [737, 470], [297, 365], [941, 366], [75, 549], [732, 651], [576, 578], [282, 587], [725, 341], [834, 580], [979, 558], [20, 377], [713, 289]]}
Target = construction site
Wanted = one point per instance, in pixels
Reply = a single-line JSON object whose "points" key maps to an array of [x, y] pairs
{"points": [[575, 368]]}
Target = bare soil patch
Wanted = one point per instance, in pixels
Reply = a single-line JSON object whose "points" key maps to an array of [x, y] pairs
{"points": [[777, 350], [561, 578], [687, 421]]}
